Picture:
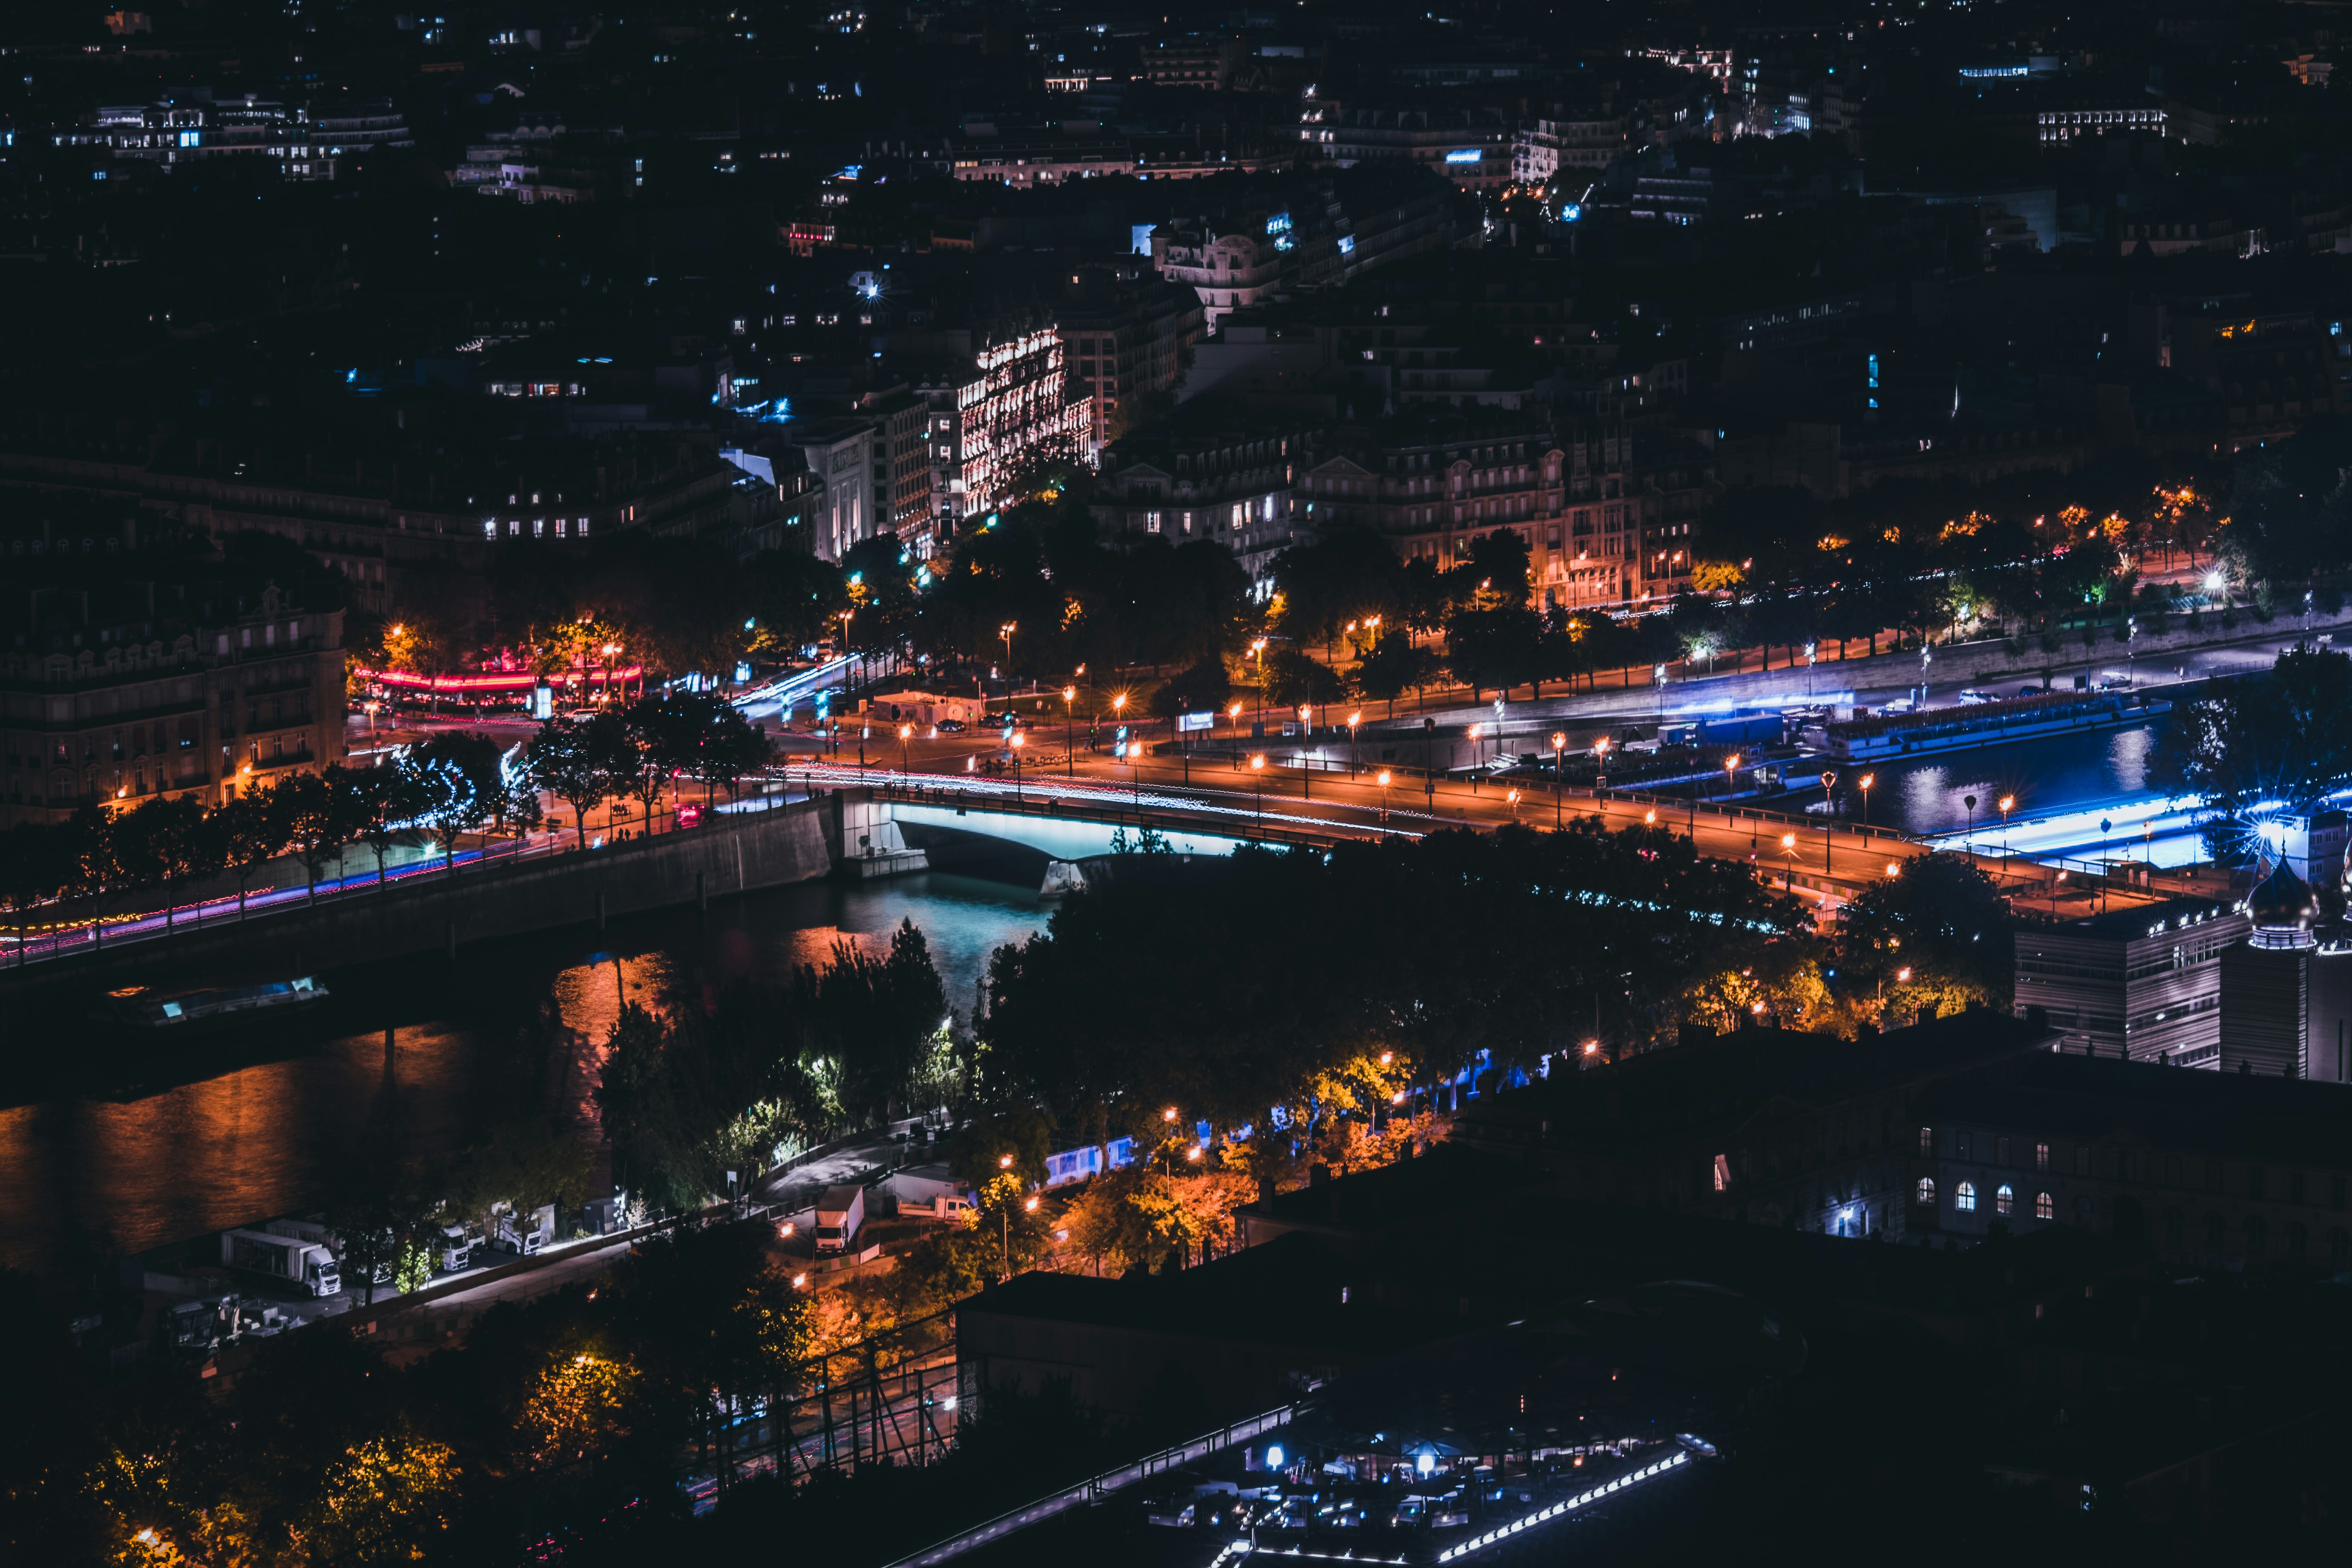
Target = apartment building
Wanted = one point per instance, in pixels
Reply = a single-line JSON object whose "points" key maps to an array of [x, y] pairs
{"points": [[125, 675], [1213, 473], [1127, 335]]}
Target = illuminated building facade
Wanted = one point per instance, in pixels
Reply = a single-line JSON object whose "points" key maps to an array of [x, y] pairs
{"points": [[1011, 403]]}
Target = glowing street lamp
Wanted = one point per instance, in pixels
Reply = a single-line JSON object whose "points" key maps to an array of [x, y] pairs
{"points": [[1864, 783], [1018, 740], [906, 744], [1257, 778], [1354, 718], [1069, 743], [1788, 862], [1558, 772], [2008, 803], [1006, 631], [1306, 771], [1600, 765], [1829, 824], [1384, 799]]}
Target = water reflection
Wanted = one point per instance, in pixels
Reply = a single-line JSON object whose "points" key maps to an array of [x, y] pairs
{"points": [[1930, 795], [257, 1141]]}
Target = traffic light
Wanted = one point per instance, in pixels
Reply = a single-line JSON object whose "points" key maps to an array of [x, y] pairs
{"points": [[1119, 742]]}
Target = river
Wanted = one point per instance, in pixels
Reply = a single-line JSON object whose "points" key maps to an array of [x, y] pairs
{"points": [[256, 1127], [214, 1142]]}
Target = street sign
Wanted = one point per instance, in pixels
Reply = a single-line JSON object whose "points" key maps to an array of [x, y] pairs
{"points": [[1196, 720]]}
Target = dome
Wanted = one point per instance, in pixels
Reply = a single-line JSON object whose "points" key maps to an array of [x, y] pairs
{"points": [[2284, 908]]}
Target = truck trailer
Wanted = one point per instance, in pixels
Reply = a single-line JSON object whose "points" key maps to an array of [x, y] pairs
{"points": [[309, 1266]]}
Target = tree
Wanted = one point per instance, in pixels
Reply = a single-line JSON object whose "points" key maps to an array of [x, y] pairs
{"points": [[168, 841], [1293, 678], [1943, 920], [384, 801], [1495, 645], [36, 864], [1393, 666], [388, 1498], [253, 830], [1201, 688], [883, 1016], [661, 737], [1350, 574], [579, 761], [94, 856], [316, 813], [449, 800], [721, 745], [2282, 736]]}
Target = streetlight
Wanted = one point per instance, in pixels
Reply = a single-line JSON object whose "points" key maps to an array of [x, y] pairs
{"points": [[1828, 822], [1069, 745], [1383, 782], [1788, 862], [1257, 650], [1018, 738], [1004, 1218], [1559, 773], [1354, 718], [1513, 799], [1306, 771], [2007, 801], [906, 742], [1730, 767], [1257, 778], [1006, 631], [1600, 765], [1864, 783]]}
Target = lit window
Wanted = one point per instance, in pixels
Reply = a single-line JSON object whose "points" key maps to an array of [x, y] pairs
{"points": [[2044, 1206], [1926, 1197], [1964, 1197], [2042, 1156], [1927, 1139], [2004, 1201]]}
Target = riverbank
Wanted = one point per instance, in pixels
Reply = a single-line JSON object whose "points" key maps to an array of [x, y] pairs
{"points": [[729, 853], [1953, 668]]}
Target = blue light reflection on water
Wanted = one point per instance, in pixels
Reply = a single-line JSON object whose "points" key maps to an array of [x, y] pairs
{"points": [[2064, 774]]}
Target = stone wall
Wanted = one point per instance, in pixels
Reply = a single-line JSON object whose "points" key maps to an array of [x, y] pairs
{"points": [[731, 853]]}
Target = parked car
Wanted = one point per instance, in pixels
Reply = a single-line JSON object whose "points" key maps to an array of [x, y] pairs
{"points": [[951, 726]]}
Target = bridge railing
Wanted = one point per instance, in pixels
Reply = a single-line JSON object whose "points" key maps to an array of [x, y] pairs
{"points": [[1050, 806]]}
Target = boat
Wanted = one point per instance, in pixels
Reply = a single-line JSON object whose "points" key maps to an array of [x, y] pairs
{"points": [[1885, 735], [145, 1007]]}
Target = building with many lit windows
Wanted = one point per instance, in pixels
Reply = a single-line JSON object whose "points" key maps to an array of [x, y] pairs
{"points": [[1000, 403]]}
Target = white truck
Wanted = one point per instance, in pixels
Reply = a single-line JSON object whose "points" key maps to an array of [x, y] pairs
{"points": [[524, 1234], [309, 1266], [839, 1213], [456, 1250]]}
